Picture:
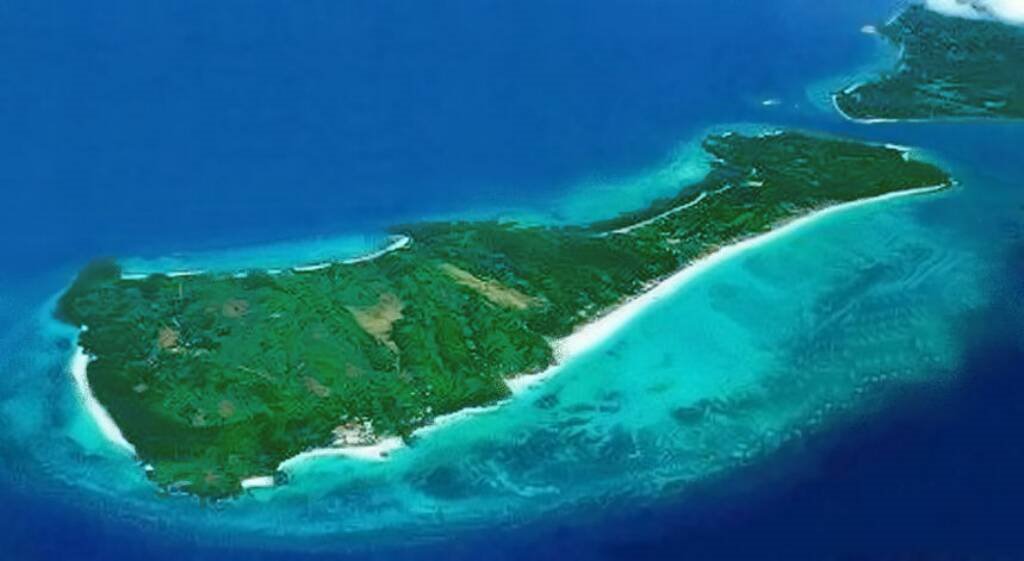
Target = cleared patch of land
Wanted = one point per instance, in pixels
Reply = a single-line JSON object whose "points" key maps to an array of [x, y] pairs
{"points": [[215, 379], [492, 290], [379, 319]]}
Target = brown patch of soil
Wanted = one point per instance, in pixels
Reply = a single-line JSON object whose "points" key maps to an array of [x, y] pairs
{"points": [[316, 388], [492, 290], [378, 319], [167, 339], [235, 308]]}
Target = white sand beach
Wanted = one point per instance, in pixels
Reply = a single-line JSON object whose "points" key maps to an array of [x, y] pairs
{"points": [[398, 243], [843, 114], [308, 268], [107, 426], [378, 451], [593, 334], [588, 337], [260, 482]]}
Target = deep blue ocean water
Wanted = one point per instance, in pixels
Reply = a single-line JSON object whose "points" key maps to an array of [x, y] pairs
{"points": [[145, 130]]}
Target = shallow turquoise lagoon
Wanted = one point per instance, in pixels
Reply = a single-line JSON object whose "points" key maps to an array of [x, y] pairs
{"points": [[816, 331], [813, 329]]}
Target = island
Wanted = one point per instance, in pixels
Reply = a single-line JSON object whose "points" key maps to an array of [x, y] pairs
{"points": [[949, 68], [216, 379]]}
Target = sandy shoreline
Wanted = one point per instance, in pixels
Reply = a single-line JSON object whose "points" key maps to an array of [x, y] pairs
{"points": [[397, 242], [598, 331], [938, 119], [78, 367], [843, 114], [585, 338]]}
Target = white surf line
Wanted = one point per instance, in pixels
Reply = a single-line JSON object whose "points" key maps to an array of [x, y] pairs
{"points": [[258, 482], [590, 335], [172, 274], [399, 243], [108, 428], [881, 120], [598, 331], [454, 417], [905, 151], [308, 268], [585, 338], [375, 452], [983, 118], [872, 121]]}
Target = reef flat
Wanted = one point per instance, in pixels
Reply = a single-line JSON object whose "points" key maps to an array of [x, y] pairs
{"points": [[218, 378], [949, 68]]}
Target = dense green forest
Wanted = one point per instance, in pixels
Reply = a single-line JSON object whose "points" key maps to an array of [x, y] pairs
{"points": [[219, 377], [949, 68]]}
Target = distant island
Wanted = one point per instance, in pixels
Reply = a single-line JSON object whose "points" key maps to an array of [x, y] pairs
{"points": [[949, 68], [216, 379]]}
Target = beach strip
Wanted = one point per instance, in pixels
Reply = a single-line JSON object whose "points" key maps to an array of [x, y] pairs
{"points": [[108, 428], [581, 341], [595, 333]]}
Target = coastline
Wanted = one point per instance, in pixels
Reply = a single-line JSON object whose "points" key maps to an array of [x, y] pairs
{"points": [[108, 428], [844, 115], [596, 332], [397, 242], [939, 119], [584, 339], [602, 328]]}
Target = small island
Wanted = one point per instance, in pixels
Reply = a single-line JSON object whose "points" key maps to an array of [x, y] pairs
{"points": [[216, 379], [949, 68]]}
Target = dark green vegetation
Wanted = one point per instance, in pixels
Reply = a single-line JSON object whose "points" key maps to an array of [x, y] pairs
{"points": [[215, 378], [949, 68]]}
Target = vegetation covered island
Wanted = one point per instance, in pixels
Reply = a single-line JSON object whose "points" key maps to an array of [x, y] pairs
{"points": [[215, 378], [949, 68]]}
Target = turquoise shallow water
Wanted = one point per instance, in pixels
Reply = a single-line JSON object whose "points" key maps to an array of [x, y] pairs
{"points": [[810, 330], [817, 331]]}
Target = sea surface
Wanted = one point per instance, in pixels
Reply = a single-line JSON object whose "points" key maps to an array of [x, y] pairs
{"points": [[850, 390]]}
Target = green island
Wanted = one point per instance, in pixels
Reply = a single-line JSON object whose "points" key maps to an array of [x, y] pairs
{"points": [[949, 68], [215, 378]]}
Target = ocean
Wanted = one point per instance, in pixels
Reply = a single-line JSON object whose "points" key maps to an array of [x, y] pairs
{"points": [[849, 390]]}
